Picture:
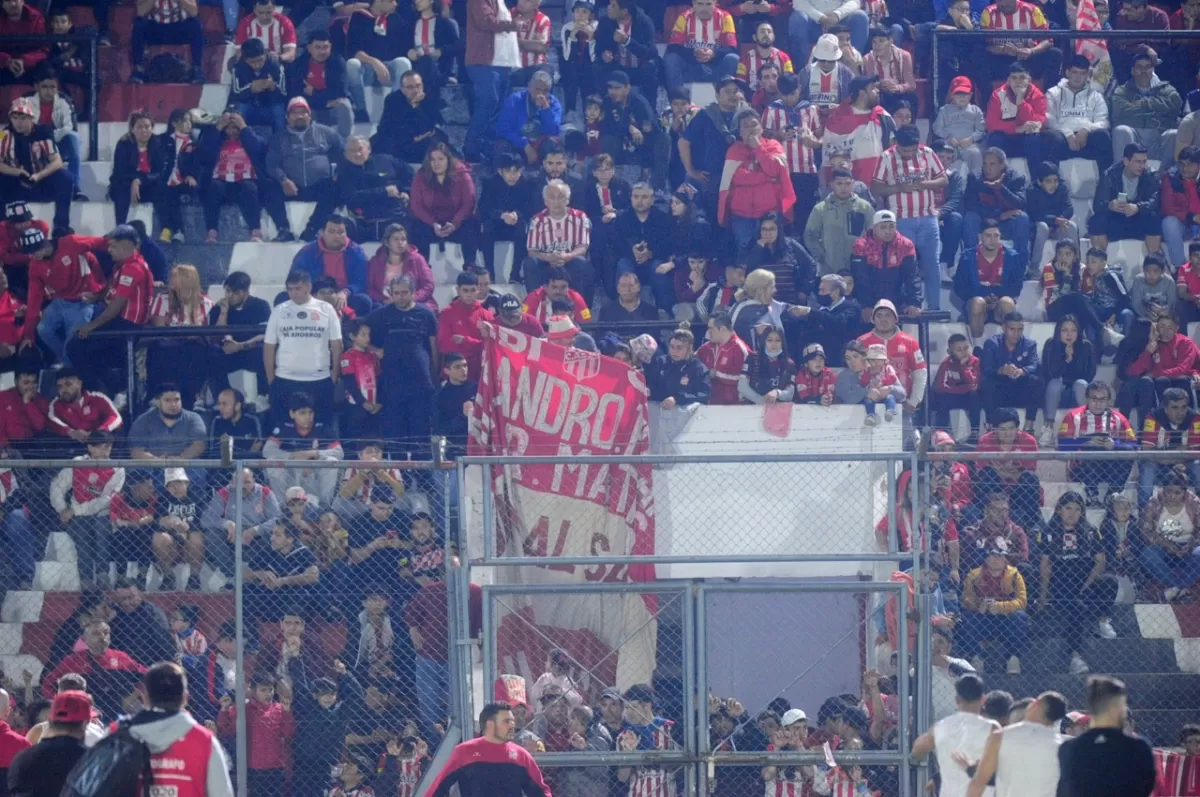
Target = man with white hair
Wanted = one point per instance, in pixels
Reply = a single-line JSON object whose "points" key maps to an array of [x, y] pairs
{"points": [[559, 237], [530, 116]]}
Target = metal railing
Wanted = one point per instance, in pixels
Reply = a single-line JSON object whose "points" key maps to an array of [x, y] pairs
{"points": [[92, 42]]}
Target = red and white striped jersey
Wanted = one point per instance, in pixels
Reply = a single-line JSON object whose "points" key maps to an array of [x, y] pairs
{"points": [[789, 782], [884, 68], [167, 11], [752, 61], [894, 169], [840, 784], [233, 164], [1027, 16], [1178, 774], [652, 782], [425, 33], [692, 33], [559, 235], [536, 29], [41, 150], [161, 308], [364, 492], [802, 117], [278, 36], [1079, 422], [407, 774]]}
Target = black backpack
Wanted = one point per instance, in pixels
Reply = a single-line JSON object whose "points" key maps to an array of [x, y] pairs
{"points": [[168, 68], [112, 768]]}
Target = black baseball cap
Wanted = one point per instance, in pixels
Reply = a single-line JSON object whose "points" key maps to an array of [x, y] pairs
{"points": [[617, 78], [17, 211], [32, 239], [510, 304]]}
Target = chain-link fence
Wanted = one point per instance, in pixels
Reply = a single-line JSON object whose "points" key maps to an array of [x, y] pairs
{"points": [[314, 594], [1049, 565]]}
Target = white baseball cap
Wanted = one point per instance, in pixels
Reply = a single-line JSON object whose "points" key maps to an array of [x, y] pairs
{"points": [[792, 716]]}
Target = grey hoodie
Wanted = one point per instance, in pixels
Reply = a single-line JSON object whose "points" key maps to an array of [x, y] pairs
{"points": [[160, 729], [954, 122], [833, 227]]}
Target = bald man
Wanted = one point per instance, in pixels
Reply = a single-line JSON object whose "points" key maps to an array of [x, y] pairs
{"points": [[11, 742]]}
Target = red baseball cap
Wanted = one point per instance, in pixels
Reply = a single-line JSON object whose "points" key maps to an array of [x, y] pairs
{"points": [[71, 706]]}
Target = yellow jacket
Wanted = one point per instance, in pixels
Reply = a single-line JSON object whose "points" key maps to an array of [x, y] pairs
{"points": [[1012, 583]]}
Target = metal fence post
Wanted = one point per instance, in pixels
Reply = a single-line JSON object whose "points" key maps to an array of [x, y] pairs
{"points": [[454, 633], [700, 739], [240, 620], [902, 688]]}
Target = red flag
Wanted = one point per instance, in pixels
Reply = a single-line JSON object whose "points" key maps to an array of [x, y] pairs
{"points": [[538, 398], [1095, 50]]}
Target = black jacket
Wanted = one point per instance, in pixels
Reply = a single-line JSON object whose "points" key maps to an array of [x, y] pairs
{"points": [[335, 80], [628, 230], [41, 770], [361, 36], [1111, 183], [1045, 208], [499, 197], [363, 189], [952, 197], [208, 152], [687, 381], [400, 124], [641, 41], [125, 163], [619, 190], [243, 76], [991, 201], [833, 328], [794, 268], [166, 143], [689, 236], [144, 634], [636, 112], [448, 418], [1055, 365], [321, 732]]}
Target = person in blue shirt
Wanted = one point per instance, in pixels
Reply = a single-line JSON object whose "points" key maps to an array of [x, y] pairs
{"points": [[989, 278], [642, 729], [529, 116], [1010, 371]]}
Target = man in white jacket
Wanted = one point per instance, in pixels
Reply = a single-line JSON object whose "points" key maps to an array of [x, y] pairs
{"points": [[62, 119], [811, 18], [1077, 117]]}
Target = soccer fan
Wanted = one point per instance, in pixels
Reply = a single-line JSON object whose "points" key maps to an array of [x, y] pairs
{"points": [[702, 46], [1011, 475], [303, 437], [319, 75], [69, 294], [1037, 55], [492, 763], [77, 413], [271, 27], [1170, 360], [1077, 117], [1009, 371], [1169, 538], [31, 167], [724, 355], [861, 130], [1097, 426], [530, 116], [299, 167], [1171, 426], [909, 175], [168, 22], [17, 219], [1118, 214], [904, 353], [302, 349], [677, 377], [1145, 111], [376, 40], [559, 237], [956, 386]]}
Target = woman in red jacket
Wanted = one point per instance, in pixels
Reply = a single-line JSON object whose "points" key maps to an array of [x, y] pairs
{"points": [[755, 181], [398, 258], [442, 199]]}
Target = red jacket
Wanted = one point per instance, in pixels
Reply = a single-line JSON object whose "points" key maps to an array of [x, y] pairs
{"points": [[12, 310], [755, 182], [528, 324], [11, 743], [725, 367], [31, 54], [90, 412], [956, 378], [457, 319], [69, 273], [538, 306], [1174, 360], [812, 388], [10, 243], [21, 420], [1032, 109], [1178, 196], [437, 205], [269, 727], [84, 663], [414, 267]]}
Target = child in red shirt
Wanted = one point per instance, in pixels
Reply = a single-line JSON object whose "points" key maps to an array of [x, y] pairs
{"points": [[815, 382], [269, 731], [360, 379], [956, 386]]}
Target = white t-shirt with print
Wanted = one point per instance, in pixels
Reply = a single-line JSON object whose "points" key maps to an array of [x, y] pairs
{"points": [[302, 334]]}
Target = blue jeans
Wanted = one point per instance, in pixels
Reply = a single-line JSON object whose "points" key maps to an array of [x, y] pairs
{"points": [[1149, 475], [1016, 229], [358, 77], [68, 147], [433, 691], [1174, 231], [889, 403], [744, 231], [802, 30], [230, 11], [680, 70], [927, 235], [60, 319], [19, 536], [271, 116], [662, 286], [1007, 632], [487, 82], [1172, 571]]}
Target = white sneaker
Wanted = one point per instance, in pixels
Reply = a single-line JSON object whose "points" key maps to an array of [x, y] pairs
{"points": [[1105, 630], [1078, 665], [1112, 337], [1171, 593], [1014, 666], [889, 415], [1049, 436]]}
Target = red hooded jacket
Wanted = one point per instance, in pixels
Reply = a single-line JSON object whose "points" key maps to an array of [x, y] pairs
{"points": [[31, 54], [462, 321], [1031, 109], [1179, 197], [1178, 359]]}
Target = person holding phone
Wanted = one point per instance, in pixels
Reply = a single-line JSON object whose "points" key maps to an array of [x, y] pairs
{"points": [[1126, 204], [1096, 426]]}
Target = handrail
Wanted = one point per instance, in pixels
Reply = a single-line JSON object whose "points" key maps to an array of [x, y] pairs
{"points": [[93, 77]]}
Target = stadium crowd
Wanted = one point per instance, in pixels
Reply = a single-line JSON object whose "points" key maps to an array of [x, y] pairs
{"points": [[789, 227]]}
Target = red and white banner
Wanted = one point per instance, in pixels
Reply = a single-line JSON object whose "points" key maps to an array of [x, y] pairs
{"points": [[538, 398]]}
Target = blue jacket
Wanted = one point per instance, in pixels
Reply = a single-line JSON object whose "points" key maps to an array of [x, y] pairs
{"points": [[312, 259], [515, 115], [996, 355], [966, 279]]}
